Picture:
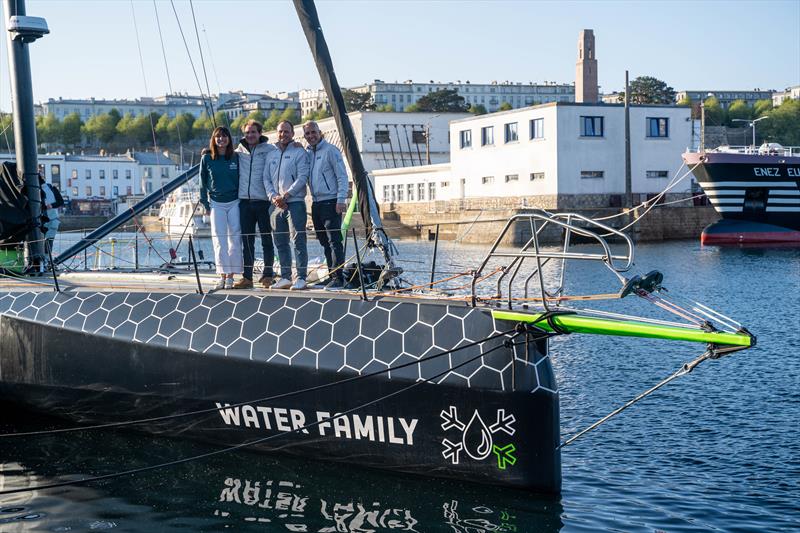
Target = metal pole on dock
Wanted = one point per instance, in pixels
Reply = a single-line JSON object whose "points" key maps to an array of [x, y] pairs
{"points": [[435, 249], [628, 181]]}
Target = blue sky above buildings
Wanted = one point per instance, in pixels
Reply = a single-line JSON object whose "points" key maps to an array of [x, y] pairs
{"points": [[257, 45]]}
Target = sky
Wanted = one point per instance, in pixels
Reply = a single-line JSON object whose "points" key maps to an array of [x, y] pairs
{"points": [[257, 45]]}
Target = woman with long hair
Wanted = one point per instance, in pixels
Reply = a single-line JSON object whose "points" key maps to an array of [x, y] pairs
{"points": [[219, 194]]}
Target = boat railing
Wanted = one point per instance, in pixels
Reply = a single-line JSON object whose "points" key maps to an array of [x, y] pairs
{"points": [[571, 225], [764, 149]]}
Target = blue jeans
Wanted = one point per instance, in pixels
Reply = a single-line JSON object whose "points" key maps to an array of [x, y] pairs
{"points": [[294, 217]]}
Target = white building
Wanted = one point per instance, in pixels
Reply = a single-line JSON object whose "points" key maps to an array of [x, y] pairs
{"points": [[241, 103], [490, 95], [312, 100], [99, 176], [562, 155], [171, 104], [790, 93], [392, 140]]}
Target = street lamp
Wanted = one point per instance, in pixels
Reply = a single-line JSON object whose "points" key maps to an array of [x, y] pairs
{"points": [[428, 138], [752, 124]]}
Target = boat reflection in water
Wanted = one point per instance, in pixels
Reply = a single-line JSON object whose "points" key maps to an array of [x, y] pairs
{"points": [[239, 491]]}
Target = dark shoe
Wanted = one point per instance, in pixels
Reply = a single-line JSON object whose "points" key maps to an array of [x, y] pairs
{"points": [[266, 281], [243, 283], [336, 284]]}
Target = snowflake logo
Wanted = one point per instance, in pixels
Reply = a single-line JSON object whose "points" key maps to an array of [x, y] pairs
{"points": [[477, 439]]}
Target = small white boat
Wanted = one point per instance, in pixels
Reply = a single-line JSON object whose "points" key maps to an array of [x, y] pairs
{"points": [[182, 214]]}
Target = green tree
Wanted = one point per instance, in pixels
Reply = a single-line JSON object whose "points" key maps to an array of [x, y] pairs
{"points": [[413, 108], [505, 106], [444, 101], [101, 128], [478, 109], [649, 90], [291, 115], [738, 111], [162, 129], [783, 124], [358, 101], [685, 102], [715, 114], [272, 120], [48, 129], [762, 107], [202, 128], [71, 130], [389, 108], [180, 128]]}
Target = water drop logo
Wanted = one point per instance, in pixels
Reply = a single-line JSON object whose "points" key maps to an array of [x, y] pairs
{"points": [[477, 438]]}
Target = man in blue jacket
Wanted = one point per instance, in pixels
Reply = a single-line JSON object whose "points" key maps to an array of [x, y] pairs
{"points": [[285, 179], [328, 184]]}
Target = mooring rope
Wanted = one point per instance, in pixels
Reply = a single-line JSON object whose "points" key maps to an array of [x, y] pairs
{"points": [[507, 343]]}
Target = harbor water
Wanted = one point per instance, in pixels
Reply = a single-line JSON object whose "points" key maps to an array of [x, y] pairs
{"points": [[715, 450]]}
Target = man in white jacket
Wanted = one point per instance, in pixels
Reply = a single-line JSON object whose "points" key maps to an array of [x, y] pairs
{"points": [[328, 184], [285, 179], [254, 203]]}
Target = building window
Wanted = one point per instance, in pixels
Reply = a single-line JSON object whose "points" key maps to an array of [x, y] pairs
{"points": [[512, 177], [400, 190], [657, 174], [511, 132], [657, 127], [102, 191], [591, 126], [115, 174], [165, 172], [487, 136], [148, 187], [465, 137], [421, 192], [588, 174], [88, 173], [444, 184], [74, 192], [382, 136], [74, 173], [410, 192], [102, 174], [55, 175], [148, 172], [115, 191], [88, 191], [128, 190], [537, 128], [487, 180], [535, 176], [127, 174], [418, 136], [431, 191], [385, 193]]}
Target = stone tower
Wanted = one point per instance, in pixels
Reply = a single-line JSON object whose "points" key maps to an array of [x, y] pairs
{"points": [[586, 69]]}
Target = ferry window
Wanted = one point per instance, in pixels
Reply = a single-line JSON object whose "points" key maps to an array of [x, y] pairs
{"points": [[381, 136], [115, 174], [465, 137], [421, 192], [487, 180], [591, 126], [511, 132], [657, 174], [512, 177], [537, 128], [487, 136], [431, 191], [657, 127], [588, 174], [537, 176]]}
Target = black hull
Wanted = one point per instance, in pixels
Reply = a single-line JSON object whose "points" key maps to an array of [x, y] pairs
{"points": [[493, 421], [763, 189]]}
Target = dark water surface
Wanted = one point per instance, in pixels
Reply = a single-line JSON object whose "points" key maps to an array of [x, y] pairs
{"points": [[716, 450]]}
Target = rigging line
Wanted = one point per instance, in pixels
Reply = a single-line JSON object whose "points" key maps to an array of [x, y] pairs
{"points": [[211, 58], [268, 398], [169, 78], [191, 62], [144, 77], [683, 370], [202, 59], [247, 444]]}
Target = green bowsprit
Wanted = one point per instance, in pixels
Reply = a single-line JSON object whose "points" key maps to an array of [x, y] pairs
{"points": [[505, 455]]}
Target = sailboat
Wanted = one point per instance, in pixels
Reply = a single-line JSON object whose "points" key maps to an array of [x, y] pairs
{"points": [[391, 376]]}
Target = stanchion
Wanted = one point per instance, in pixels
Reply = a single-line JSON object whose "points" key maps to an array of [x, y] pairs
{"points": [[358, 265], [194, 262]]}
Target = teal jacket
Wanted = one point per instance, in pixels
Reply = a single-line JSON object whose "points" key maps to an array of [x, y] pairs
{"points": [[219, 179]]}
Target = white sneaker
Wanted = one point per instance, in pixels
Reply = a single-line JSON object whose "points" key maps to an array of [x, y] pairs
{"points": [[220, 284], [299, 285], [229, 283], [282, 283]]}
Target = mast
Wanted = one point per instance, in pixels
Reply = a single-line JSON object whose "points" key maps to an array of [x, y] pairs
{"points": [[307, 12], [23, 30]]}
